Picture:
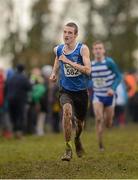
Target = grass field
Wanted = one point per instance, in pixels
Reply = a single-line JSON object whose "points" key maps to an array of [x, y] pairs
{"points": [[39, 157]]}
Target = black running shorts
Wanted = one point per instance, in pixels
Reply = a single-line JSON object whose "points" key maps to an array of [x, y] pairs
{"points": [[78, 100]]}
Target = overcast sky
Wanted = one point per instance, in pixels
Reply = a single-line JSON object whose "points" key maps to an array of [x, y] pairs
{"points": [[20, 18]]}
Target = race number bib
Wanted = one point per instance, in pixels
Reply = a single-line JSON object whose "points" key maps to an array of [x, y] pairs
{"points": [[99, 82], [70, 71]]}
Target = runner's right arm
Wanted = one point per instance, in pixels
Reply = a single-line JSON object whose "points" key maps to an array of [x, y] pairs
{"points": [[53, 76]]}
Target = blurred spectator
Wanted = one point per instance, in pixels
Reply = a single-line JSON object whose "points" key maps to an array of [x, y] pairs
{"points": [[7, 125], [54, 106], [130, 82], [37, 110], [53, 116], [2, 82], [135, 100], [17, 88], [120, 107], [10, 72]]}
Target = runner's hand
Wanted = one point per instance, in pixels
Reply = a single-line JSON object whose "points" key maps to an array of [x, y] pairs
{"points": [[63, 58], [110, 92], [53, 77]]}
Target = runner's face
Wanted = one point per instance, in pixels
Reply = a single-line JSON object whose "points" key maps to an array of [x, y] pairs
{"points": [[69, 35], [98, 50]]}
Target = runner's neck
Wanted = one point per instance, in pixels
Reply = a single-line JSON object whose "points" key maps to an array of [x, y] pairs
{"points": [[69, 47]]}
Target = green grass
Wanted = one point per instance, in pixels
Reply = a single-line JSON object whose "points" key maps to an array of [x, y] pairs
{"points": [[39, 157]]}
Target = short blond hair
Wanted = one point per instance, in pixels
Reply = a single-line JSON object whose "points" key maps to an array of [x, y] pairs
{"points": [[97, 42]]}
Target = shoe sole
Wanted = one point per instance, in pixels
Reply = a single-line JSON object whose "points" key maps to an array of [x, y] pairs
{"points": [[65, 159]]}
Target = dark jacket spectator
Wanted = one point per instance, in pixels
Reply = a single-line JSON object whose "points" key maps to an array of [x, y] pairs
{"points": [[17, 88], [18, 85]]}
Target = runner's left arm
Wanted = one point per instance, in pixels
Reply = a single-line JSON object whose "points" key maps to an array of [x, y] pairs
{"points": [[114, 68]]}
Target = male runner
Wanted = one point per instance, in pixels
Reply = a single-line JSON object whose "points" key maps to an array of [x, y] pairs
{"points": [[105, 79], [72, 59]]}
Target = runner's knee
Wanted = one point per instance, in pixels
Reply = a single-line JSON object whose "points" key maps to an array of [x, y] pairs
{"points": [[99, 117], [67, 110]]}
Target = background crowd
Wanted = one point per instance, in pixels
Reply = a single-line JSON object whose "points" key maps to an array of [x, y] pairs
{"points": [[29, 102]]}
